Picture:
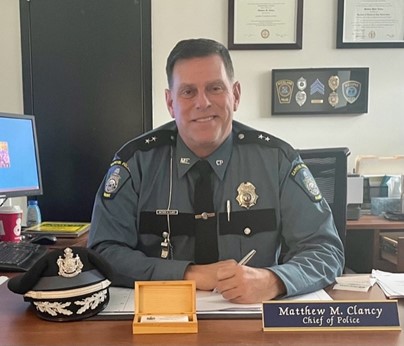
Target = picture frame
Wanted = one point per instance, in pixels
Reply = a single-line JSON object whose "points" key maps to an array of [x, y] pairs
{"points": [[267, 24], [360, 25], [336, 90]]}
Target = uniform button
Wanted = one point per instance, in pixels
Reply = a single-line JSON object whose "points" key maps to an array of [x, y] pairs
{"points": [[247, 231], [241, 136]]}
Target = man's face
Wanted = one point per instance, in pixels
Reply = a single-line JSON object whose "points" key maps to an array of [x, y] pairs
{"points": [[202, 100]]}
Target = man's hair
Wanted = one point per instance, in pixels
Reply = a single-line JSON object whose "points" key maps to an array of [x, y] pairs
{"points": [[196, 48]]}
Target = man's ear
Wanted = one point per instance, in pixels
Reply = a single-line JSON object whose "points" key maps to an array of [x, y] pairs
{"points": [[169, 102], [237, 95]]}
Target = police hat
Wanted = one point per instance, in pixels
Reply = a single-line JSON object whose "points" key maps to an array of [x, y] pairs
{"points": [[66, 284]]}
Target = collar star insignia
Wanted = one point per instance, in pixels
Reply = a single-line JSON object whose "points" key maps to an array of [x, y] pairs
{"points": [[185, 160]]}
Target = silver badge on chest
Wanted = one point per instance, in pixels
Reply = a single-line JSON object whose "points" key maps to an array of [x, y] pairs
{"points": [[247, 196]]}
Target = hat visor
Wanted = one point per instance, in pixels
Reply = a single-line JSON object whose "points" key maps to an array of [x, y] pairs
{"points": [[67, 293]]}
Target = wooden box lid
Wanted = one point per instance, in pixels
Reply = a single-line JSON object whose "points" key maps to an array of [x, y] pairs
{"points": [[165, 297]]}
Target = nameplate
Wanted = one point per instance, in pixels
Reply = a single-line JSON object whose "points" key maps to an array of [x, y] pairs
{"points": [[330, 315], [166, 212]]}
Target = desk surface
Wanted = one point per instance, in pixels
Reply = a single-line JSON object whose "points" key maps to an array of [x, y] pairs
{"points": [[374, 222], [20, 326]]}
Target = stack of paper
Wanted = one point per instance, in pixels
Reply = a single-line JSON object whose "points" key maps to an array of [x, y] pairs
{"points": [[122, 303], [360, 283], [392, 284], [213, 303]]}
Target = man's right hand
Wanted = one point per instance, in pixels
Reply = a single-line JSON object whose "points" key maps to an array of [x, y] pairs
{"points": [[205, 275]]}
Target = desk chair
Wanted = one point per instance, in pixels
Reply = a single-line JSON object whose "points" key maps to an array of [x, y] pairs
{"points": [[329, 169]]}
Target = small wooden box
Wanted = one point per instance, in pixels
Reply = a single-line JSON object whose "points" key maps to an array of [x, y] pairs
{"points": [[159, 299], [392, 249]]}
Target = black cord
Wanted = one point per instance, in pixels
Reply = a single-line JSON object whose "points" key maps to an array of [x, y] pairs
{"points": [[4, 201]]}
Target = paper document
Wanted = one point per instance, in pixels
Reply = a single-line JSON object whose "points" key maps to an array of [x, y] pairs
{"points": [[208, 301], [317, 295], [359, 283], [392, 284], [3, 279], [122, 302]]}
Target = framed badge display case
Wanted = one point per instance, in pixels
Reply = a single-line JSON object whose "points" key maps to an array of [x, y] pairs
{"points": [[320, 91]]}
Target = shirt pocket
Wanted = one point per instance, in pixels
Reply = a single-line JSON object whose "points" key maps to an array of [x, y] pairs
{"points": [[248, 222], [247, 230]]}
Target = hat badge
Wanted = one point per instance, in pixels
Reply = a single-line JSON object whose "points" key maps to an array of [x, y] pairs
{"points": [[246, 195], [69, 266]]}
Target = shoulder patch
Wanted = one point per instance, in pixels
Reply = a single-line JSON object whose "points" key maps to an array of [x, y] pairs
{"points": [[117, 175], [303, 177]]}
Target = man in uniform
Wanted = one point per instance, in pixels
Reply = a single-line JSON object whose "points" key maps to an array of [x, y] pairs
{"points": [[147, 219]]}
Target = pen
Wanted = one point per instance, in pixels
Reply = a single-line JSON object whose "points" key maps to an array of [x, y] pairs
{"points": [[243, 261], [247, 257], [228, 208]]}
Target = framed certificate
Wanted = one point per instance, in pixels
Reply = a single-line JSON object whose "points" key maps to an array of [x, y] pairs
{"points": [[265, 24], [367, 24]]}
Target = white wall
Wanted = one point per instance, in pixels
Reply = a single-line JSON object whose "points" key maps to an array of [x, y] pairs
{"points": [[10, 58], [10, 70], [379, 132]]}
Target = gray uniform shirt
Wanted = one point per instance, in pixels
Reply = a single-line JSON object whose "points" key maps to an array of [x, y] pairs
{"points": [[153, 173]]}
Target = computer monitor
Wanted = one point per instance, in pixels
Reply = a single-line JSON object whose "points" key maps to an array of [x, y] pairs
{"points": [[20, 173]]}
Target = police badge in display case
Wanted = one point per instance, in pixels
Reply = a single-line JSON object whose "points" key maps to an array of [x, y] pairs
{"points": [[320, 91]]}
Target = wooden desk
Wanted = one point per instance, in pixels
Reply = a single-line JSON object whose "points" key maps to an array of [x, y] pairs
{"points": [[362, 246], [20, 326], [65, 242]]}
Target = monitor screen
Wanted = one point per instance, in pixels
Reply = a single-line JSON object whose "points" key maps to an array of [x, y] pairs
{"points": [[20, 173]]}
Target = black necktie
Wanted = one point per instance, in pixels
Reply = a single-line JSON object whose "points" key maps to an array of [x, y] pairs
{"points": [[205, 218]]}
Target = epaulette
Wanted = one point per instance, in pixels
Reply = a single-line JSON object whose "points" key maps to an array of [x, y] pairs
{"points": [[251, 136], [148, 141], [119, 172], [299, 173]]}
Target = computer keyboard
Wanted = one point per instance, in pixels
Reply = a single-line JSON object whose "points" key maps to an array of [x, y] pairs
{"points": [[19, 257]]}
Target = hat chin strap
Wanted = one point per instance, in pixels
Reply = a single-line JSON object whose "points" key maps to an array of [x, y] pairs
{"points": [[68, 293]]}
